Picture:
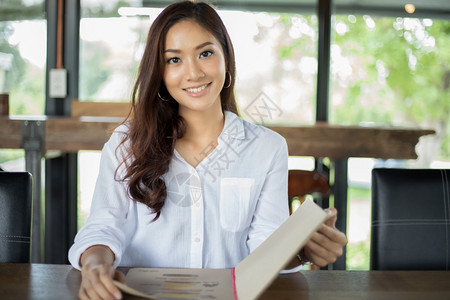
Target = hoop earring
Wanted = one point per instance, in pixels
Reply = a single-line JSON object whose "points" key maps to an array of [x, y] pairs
{"points": [[163, 99], [229, 83]]}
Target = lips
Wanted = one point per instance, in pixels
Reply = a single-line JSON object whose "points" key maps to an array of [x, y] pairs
{"points": [[197, 89]]}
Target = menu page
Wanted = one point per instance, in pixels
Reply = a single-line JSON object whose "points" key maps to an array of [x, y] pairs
{"points": [[257, 271], [162, 283]]}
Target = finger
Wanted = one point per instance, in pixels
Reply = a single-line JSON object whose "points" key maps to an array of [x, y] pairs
{"points": [[111, 289], [97, 283], [329, 245], [333, 234], [82, 294], [316, 250], [92, 294], [119, 276], [331, 221], [106, 287], [317, 254], [326, 248], [99, 291]]}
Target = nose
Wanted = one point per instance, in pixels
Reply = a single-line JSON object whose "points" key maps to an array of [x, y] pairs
{"points": [[194, 70]]}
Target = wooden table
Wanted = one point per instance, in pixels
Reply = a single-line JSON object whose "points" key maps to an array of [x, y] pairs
{"points": [[44, 281], [319, 140]]}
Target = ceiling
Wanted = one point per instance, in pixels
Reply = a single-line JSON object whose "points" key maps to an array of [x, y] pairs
{"points": [[424, 8], [15, 10]]}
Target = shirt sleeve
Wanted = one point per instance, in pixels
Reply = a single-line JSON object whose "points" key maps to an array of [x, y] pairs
{"points": [[110, 204], [272, 206]]}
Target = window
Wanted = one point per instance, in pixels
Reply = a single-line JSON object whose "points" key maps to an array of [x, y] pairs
{"points": [[276, 60], [275, 56], [23, 31], [23, 36], [389, 71]]}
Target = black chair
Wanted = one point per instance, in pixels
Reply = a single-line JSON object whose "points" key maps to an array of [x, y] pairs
{"points": [[15, 216], [410, 219]]}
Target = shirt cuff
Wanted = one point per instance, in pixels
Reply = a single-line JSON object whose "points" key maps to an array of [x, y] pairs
{"points": [[293, 270], [76, 251]]}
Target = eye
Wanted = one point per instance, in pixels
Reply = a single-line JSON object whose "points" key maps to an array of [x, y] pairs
{"points": [[206, 53], [173, 60]]}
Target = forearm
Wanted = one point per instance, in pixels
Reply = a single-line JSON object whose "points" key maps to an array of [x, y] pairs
{"points": [[97, 255]]}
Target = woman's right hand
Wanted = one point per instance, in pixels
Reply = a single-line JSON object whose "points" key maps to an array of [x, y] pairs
{"points": [[98, 273], [97, 282]]}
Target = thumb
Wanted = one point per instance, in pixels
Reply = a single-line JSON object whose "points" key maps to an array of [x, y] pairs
{"points": [[331, 221], [119, 276]]}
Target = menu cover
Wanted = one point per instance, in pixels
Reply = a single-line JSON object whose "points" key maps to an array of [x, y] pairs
{"points": [[245, 281]]}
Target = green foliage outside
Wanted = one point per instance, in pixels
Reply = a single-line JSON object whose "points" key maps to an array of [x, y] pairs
{"points": [[402, 71], [358, 254], [96, 56], [24, 82], [93, 73], [18, 66], [358, 257], [387, 71]]}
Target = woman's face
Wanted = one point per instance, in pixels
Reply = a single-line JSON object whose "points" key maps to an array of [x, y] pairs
{"points": [[194, 72]]}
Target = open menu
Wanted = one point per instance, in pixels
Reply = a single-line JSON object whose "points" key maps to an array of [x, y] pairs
{"points": [[245, 281]]}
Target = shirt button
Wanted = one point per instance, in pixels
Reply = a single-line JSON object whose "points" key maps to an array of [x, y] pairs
{"points": [[197, 204], [197, 240]]}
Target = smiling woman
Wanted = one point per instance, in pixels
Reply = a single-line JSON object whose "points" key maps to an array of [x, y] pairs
{"points": [[184, 174], [194, 74]]}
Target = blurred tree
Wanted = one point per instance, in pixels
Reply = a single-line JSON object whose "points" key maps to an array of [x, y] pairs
{"points": [[400, 73], [92, 69], [15, 71], [23, 81]]}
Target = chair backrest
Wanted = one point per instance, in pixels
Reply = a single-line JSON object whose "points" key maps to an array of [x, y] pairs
{"points": [[410, 219], [304, 182], [15, 216]]}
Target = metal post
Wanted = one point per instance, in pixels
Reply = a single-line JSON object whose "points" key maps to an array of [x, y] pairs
{"points": [[323, 71], [340, 203], [33, 141], [61, 172]]}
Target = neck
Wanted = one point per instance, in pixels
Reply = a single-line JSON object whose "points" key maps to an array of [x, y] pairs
{"points": [[202, 127]]}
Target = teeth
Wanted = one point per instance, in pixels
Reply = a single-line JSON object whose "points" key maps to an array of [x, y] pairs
{"points": [[196, 90]]}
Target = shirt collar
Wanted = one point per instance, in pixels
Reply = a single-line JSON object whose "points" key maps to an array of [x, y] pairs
{"points": [[234, 126]]}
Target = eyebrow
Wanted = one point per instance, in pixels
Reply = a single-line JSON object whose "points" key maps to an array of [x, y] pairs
{"points": [[196, 48]]}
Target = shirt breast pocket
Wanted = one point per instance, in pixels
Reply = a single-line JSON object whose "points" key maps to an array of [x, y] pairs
{"points": [[236, 204]]}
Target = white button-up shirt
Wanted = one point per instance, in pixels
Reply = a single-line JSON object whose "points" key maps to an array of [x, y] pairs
{"points": [[214, 215]]}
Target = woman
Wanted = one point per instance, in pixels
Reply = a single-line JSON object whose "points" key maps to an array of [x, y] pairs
{"points": [[184, 182]]}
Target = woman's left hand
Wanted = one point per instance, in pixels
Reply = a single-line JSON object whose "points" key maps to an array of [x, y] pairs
{"points": [[327, 243]]}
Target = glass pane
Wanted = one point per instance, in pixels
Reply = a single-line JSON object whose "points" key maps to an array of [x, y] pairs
{"points": [[276, 63], [275, 55], [23, 42], [111, 46], [276, 60], [388, 71], [393, 71]]}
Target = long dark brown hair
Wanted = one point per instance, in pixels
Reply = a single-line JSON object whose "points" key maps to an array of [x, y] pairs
{"points": [[154, 124]]}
